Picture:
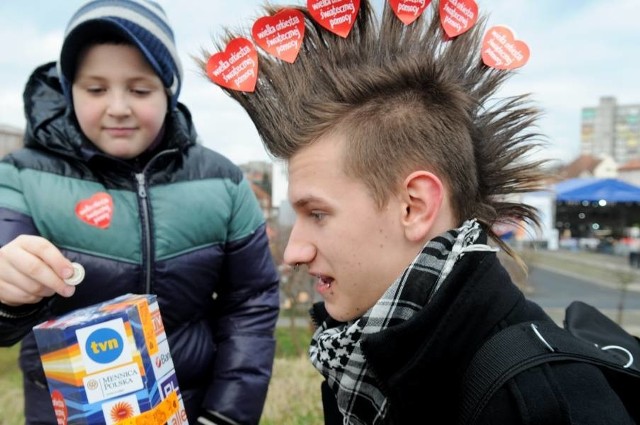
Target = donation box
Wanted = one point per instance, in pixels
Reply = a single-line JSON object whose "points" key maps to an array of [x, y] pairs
{"points": [[110, 364]]}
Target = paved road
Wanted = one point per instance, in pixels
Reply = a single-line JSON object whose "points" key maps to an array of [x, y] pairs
{"points": [[554, 291]]}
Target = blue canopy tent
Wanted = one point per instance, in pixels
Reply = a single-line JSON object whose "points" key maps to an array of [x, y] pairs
{"points": [[580, 208], [595, 189]]}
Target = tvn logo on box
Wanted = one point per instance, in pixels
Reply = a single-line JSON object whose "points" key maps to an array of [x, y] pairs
{"points": [[104, 345]]}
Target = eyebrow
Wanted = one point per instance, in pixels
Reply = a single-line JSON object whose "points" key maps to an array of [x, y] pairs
{"points": [[306, 200]]}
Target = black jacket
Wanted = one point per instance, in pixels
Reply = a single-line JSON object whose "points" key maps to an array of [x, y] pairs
{"points": [[421, 362]]}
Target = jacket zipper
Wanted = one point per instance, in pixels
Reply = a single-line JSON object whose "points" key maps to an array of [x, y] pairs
{"points": [[148, 256], [146, 229]]}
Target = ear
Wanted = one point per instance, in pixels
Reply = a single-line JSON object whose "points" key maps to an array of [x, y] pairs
{"points": [[423, 195]]}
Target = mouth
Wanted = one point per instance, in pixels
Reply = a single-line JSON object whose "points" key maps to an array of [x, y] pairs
{"points": [[119, 131], [323, 284]]}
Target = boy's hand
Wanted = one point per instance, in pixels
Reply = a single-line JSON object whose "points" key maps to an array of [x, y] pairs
{"points": [[32, 268]]}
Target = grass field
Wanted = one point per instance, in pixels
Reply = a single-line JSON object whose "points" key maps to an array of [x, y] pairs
{"points": [[10, 387], [293, 398]]}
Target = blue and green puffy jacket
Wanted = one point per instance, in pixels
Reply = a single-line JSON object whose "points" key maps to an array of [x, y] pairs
{"points": [[184, 225]]}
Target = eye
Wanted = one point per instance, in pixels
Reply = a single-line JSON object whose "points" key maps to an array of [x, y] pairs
{"points": [[317, 215], [140, 91], [96, 89]]}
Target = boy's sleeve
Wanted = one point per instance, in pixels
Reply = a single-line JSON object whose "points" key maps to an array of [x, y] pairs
{"points": [[15, 322], [15, 218], [248, 310]]}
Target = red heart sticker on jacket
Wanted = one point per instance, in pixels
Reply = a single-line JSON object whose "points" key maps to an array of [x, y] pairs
{"points": [[237, 67], [281, 34], [337, 16], [458, 16], [97, 210], [408, 10], [500, 49]]}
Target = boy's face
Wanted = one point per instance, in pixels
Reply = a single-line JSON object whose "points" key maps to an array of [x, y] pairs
{"points": [[354, 249], [119, 101]]}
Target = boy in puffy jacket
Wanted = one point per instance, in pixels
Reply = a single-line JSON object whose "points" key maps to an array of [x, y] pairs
{"points": [[111, 177]]}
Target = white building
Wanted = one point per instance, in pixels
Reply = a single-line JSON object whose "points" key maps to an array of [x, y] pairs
{"points": [[10, 139], [611, 129], [279, 197]]}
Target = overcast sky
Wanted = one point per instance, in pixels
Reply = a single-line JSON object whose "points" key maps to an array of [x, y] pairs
{"points": [[581, 50]]}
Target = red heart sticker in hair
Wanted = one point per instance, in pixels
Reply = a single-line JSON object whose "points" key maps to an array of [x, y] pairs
{"points": [[281, 34], [237, 67], [458, 16], [500, 49], [337, 16], [408, 10], [96, 211]]}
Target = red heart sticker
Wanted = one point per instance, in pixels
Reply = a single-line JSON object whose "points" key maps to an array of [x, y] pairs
{"points": [[97, 210], [458, 16], [237, 67], [337, 16], [281, 34], [500, 49], [408, 10]]}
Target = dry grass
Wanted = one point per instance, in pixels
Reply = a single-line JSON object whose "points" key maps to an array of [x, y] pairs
{"points": [[294, 394], [11, 399]]}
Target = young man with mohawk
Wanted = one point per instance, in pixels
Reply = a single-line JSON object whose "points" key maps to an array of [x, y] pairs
{"points": [[397, 170]]}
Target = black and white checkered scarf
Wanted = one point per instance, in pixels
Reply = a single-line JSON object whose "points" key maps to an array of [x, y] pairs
{"points": [[336, 351]]}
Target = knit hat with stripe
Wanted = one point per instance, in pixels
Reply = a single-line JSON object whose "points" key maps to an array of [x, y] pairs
{"points": [[142, 22]]}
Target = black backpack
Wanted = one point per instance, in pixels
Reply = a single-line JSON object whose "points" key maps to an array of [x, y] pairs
{"points": [[588, 336]]}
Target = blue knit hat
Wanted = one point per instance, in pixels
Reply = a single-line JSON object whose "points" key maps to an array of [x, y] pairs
{"points": [[142, 22]]}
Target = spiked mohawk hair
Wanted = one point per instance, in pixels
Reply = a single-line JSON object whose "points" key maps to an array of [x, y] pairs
{"points": [[406, 98]]}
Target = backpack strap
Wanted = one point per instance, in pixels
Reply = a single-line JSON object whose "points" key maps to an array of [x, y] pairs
{"points": [[525, 345]]}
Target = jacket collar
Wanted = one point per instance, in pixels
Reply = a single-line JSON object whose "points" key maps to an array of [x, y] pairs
{"points": [[432, 350]]}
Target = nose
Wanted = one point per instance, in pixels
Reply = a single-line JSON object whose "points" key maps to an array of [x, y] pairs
{"points": [[118, 104], [298, 250]]}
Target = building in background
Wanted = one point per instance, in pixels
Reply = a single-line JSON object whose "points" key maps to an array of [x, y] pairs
{"points": [[611, 129], [630, 172], [11, 138], [258, 173], [281, 205], [587, 166]]}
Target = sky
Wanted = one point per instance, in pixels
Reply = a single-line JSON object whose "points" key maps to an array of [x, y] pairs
{"points": [[581, 50]]}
